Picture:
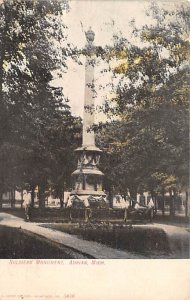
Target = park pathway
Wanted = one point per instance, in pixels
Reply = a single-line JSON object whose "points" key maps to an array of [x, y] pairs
{"points": [[94, 249], [179, 239]]}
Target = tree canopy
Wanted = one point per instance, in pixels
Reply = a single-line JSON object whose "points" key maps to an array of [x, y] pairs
{"points": [[37, 126], [148, 142]]}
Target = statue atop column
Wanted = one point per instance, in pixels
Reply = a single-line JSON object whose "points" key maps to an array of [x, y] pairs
{"points": [[90, 37]]}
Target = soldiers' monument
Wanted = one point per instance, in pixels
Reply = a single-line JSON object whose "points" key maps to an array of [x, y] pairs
{"points": [[87, 178]]}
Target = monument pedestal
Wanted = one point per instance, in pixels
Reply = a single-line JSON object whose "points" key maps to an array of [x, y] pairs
{"points": [[87, 178]]}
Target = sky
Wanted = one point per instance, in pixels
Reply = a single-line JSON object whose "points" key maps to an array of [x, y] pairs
{"points": [[105, 18]]}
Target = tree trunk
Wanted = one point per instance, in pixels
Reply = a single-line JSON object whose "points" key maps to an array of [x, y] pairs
{"points": [[12, 198], [172, 210], [153, 195], [61, 197], [61, 201], [110, 196], [1, 199], [171, 203], [32, 196], [163, 203], [187, 204], [133, 193], [21, 204], [110, 199], [42, 196], [174, 201]]}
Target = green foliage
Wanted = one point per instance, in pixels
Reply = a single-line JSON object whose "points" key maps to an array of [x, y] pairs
{"points": [[38, 131], [148, 144]]}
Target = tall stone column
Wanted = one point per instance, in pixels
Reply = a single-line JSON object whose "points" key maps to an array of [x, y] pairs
{"points": [[89, 94], [87, 178]]}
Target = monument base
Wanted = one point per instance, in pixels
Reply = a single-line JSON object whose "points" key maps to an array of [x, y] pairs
{"points": [[82, 193], [88, 199]]}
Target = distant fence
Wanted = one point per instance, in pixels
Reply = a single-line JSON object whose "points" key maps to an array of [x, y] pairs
{"points": [[73, 214], [166, 206], [81, 214]]}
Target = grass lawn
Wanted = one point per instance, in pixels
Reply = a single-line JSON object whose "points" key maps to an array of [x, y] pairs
{"points": [[21, 244], [17, 212], [149, 241]]}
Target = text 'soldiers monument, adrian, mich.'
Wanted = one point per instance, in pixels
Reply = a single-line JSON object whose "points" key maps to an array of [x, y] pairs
{"points": [[87, 178]]}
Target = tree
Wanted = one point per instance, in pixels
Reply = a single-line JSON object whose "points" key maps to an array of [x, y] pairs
{"points": [[35, 111], [63, 139], [150, 135]]}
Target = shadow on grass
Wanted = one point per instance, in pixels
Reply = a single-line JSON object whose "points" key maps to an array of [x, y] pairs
{"points": [[20, 244]]}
